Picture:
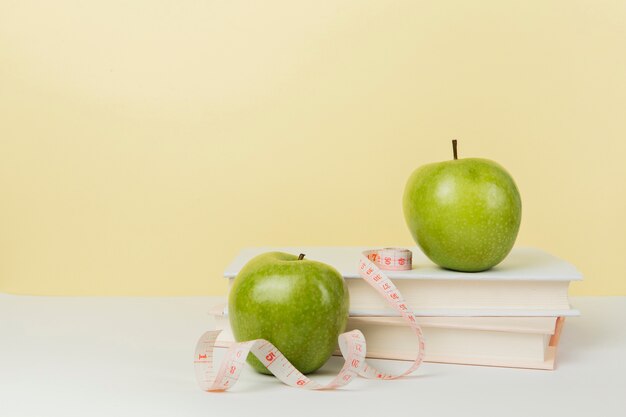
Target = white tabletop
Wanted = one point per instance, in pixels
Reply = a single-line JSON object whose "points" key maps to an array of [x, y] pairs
{"points": [[130, 356]]}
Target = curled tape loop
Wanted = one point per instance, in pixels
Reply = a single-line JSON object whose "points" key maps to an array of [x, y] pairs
{"points": [[351, 344]]}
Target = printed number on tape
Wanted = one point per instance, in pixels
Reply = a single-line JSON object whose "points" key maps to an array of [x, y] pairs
{"points": [[352, 344]]}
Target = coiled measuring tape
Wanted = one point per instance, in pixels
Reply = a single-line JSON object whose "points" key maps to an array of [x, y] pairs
{"points": [[351, 344]]}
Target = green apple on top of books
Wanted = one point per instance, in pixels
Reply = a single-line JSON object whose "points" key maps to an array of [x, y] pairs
{"points": [[299, 305], [464, 213]]}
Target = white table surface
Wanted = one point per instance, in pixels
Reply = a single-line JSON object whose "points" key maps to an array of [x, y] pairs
{"points": [[131, 356]]}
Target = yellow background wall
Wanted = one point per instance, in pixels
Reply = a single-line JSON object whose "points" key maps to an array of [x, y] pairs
{"points": [[143, 143]]}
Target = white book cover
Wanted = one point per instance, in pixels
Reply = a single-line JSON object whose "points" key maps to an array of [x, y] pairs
{"points": [[542, 325], [529, 282], [523, 263]]}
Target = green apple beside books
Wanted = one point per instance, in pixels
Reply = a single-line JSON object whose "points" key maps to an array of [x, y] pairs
{"points": [[299, 305]]}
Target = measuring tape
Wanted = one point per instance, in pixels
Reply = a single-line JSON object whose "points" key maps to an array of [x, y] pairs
{"points": [[351, 344]]}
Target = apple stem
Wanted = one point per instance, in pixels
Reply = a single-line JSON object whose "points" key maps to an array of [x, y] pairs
{"points": [[454, 148], [301, 257]]}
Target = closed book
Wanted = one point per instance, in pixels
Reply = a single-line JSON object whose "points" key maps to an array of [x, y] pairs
{"points": [[515, 342], [518, 342], [529, 282]]}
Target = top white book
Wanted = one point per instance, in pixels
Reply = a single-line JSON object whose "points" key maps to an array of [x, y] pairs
{"points": [[523, 264]]}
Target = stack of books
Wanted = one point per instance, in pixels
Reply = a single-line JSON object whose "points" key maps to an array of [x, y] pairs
{"points": [[511, 315]]}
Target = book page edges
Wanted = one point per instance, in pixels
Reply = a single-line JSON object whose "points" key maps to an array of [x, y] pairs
{"points": [[547, 364], [222, 309], [225, 340]]}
